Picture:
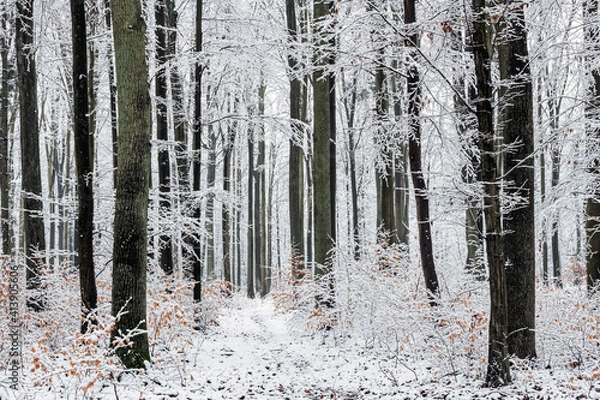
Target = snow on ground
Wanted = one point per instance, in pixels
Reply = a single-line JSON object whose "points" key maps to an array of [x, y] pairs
{"points": [[252, 353]]}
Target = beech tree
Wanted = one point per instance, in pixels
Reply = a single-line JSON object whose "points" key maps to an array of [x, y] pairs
{"points": [[4, 157], [414, 150], [129, 336], [33, 224], [498, 370], [296, 156], [83, 159], [321, 157], [516, 125], [165, 247]]}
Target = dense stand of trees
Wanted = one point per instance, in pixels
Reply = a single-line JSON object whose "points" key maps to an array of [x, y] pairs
{"points": [[463, 100]]}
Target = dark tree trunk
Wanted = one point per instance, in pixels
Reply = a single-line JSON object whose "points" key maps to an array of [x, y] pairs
{"points": [[165, 245], [131, 205], [350, 115], [33, 223], [113, 96], [196, 157], [401, 173], [414, 150], [226, 208], [516, 124], [4, 168], [498, 371], [321, 159], [251, 256], [296, 162], [83, 161]]}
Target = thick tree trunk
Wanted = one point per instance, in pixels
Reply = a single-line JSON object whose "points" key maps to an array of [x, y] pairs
{"points": [[131, 205], [414, 151], [165, 244], [33, 223], [516, 125], [498, 371], [321, 160], [84, 163]]}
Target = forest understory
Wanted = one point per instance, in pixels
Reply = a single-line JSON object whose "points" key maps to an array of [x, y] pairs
{"points": [[383, 341]]}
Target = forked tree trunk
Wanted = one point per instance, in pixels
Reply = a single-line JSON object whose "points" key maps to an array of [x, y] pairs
{"points": [[498, 370]]}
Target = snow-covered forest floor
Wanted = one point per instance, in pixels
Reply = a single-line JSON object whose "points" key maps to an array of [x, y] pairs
{"points": [[385, 342]]}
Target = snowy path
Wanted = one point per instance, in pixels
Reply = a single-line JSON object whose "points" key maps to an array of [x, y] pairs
{"points": [[253, 355]]}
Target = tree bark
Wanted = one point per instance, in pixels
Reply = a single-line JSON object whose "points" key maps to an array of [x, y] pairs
{"points": [[296, 157], [113, 96], [197, 149], [321, 160], [131, 205], [4, 139], [250, 290], [387, 183], [83, 161], [498, 371], [165, 244], [33, 223], [414, 151], [516, 124]]}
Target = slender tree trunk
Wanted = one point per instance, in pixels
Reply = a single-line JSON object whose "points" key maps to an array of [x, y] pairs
{"points": [[401, 173], [131, 206], [196, 156], [85, 174], [251, 256], [4, 138], [210, 205], [33, 223], [387, 183], [226, 207], [414, 150], [516, 124], [113, 95], [321, 159], [350, 106], [296, 157], [498, 371], [165, 246]]}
